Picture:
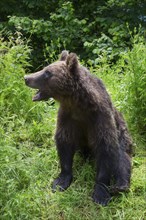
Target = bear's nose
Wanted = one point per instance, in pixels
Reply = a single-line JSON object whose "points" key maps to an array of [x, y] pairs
{"points": [[26, 80]]}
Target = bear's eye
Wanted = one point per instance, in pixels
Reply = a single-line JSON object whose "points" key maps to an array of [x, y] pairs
{"points": [[47, 74]]}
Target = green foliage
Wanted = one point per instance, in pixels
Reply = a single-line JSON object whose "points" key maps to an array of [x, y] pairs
{"points": [[16, 106], [135, 84], [12, 66], [14, 57], [86, 27], [53, 35], [128, 87]]}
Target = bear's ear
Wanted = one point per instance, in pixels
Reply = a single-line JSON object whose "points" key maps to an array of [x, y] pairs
{"points": [[72, 62], [64, 55]]}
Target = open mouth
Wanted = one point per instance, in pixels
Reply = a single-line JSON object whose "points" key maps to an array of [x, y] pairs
{"points": [[40, 95]]}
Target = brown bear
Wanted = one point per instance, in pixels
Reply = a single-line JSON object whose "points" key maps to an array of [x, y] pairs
{"points": [[87, 120]]}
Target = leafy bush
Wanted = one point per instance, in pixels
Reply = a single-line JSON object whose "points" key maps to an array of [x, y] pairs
{"points": [[86, 27], [129, 84], [14, 60], [135, 84], [16, 107], [61, 30]]}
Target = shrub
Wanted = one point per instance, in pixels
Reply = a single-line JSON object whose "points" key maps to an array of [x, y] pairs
{"points": [[135, 84], [14, 60], [85, 27], [126, 80]]}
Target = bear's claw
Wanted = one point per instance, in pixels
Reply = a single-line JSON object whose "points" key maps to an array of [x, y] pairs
{"points": [[101, 195], [62, 182]]}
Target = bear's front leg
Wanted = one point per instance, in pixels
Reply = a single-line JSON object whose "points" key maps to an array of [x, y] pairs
{"points": [[101, 193], [122, 173], [65, 152]]}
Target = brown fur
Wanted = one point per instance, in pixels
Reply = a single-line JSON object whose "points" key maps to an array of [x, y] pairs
{"points": [[87, 120]]}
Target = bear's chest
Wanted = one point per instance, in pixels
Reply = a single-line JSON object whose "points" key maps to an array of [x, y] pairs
{"points": [[79, 115]]}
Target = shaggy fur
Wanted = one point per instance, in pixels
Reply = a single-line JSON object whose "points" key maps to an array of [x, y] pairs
{"points": [[87, 120]]}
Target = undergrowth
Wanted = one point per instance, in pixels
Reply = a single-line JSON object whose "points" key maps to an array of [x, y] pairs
{"points": [[28, 158]]}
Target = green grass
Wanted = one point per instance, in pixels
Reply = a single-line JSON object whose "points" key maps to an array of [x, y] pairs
{"points": [[29, 161], [28, 170]]}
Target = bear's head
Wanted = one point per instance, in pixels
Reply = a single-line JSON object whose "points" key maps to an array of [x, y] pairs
{"points": [[56, 80]]}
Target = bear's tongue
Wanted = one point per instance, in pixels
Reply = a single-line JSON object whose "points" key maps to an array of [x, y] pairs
{"points": [[37, 96], [40, 95]]}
